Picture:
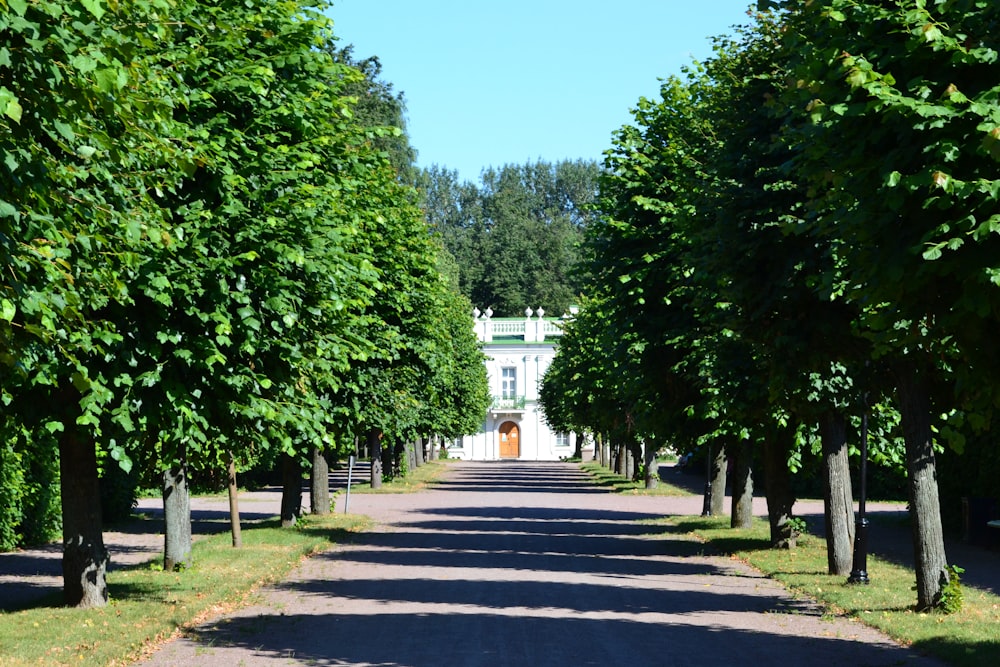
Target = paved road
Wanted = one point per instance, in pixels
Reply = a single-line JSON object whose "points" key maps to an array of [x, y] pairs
{"points": [[526, 564]]}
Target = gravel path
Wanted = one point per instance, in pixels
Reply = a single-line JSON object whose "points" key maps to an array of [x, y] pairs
{"points": [[529, 565]]}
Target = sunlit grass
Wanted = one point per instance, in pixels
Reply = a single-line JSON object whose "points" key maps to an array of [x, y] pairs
{"points": [[968, 638], [601, 476], [414, 480], [147, 605]]}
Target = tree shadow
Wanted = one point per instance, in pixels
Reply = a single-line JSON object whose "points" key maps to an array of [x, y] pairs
{"points": [[514, 636]]}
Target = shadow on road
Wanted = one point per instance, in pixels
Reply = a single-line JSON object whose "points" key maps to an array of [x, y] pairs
{"points": [[580, 581]]}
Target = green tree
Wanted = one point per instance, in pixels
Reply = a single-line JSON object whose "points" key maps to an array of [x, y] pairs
{"points": [[901, 107], [514, 236], [377, 105], [82, 120]]}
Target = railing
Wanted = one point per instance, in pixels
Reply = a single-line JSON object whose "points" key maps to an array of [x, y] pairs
{"points": [[515, 403], [552, 328], [507, 328], [530, 330]]}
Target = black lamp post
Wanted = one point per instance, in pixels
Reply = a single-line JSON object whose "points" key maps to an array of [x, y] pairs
{"points": [[859, 571], [706, 507]]}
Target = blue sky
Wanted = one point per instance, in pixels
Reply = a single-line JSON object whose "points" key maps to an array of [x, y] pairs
{"points": [[510, 82]]}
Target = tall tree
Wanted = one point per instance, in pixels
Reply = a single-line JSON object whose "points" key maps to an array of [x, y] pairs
{"points": [[901, 100], [515, 235], [82, 113]]}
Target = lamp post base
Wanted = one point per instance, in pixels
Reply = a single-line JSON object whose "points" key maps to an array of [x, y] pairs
{"points": [[859, 573]]}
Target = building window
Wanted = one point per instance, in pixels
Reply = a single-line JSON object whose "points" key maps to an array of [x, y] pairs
{"points": [[562, 439], [508, 387]]}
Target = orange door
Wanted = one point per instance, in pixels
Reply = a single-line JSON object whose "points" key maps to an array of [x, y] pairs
{"points": [[510, 447]]}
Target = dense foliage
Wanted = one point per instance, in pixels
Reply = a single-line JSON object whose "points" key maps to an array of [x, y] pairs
{"points": [[206, 252], [801, 226], [514, 237]]}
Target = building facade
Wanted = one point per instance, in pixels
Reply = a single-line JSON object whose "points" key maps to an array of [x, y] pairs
{"points": [[518, 352]]}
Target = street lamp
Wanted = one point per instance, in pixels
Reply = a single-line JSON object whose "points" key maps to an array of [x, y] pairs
{"points": [[859, 571]]}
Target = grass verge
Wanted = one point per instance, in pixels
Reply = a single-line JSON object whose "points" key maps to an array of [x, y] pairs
{"points": [[147, 605], [968, 638], [415, 480], [601, 476]]}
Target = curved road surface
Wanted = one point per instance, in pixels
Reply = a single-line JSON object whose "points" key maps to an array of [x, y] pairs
{"points": [[528, 565]]}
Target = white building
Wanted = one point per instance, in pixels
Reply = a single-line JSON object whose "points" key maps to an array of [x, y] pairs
{"points": [[518, 352]]}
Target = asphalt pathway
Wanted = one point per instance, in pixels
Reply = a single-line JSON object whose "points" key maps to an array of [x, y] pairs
{"points": [[529, 565]]}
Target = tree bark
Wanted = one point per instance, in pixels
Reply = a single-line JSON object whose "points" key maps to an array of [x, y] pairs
{"points": [[392, 458], [418, 451], [718, 481], [291, 490], [742, 510], [410, 452], [599, 450], [778, 489], [578, 446], [631, 470], [319, 484], [374, 440], [234, 504], [925, 508], [85, 560], [651, 465], [838, 501], [621, 459], [176, 517]]}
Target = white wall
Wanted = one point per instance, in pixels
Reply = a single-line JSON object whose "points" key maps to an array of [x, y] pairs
{"points": [[537, 441]]}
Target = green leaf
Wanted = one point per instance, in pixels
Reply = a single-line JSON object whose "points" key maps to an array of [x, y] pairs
{"points": [[94, 7], [934, 252], [7, 310], [82, 63], [13, 110], [64, 129]]}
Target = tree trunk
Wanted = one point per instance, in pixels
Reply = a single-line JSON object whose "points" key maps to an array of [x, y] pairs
{"points": [[418, 451], [651, 467], [390, 457], [718, 481], [410, 452], [742, 511], [291, 490], [621, 459], [374, 440], [578, 447], [85, 560], [319, 484], [234, 504], [778, 489], [176, 517], [838, 501], [599, 450], [925, 509]]}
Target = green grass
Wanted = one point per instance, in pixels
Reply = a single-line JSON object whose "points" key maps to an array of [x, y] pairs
{"points": [[147, 605], [968, 638], [415, 480], [601, 476]]}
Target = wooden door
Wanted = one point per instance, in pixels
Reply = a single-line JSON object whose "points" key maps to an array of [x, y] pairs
{"points": [[510, 446]]}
